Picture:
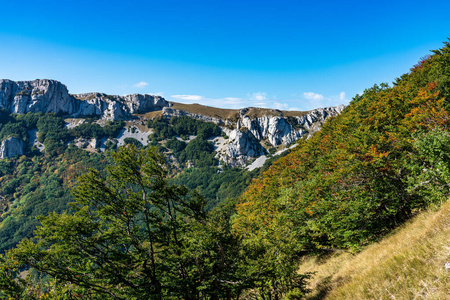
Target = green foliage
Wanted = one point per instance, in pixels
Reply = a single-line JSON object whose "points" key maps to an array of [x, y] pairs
{"points": [[131, 236], [183, 126], [214, 184], [367, 171], [132, 141], [89, 130], [37, 186], [200, 151], [11, 284], [52, 128], [430, 168], [161, 128], [175, 145]]}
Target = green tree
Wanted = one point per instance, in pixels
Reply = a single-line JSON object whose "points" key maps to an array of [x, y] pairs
{"points": [[127, 237]]}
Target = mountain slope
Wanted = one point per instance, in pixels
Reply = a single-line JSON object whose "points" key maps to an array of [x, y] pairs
{"points": [[408, 264], [383, 159], [48, 137], [267, 129]]}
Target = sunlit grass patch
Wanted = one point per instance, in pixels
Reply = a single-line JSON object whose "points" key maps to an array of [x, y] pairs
{"points": [[409, 264]]}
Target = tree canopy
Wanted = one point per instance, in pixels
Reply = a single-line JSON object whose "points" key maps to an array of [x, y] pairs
{"points": [[132, 235]]}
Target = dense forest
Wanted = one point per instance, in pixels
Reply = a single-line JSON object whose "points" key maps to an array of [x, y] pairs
{"points": [[132, 233], [39, 182]]}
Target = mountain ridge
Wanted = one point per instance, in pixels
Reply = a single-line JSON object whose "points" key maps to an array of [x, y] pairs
{"points": [[267, 128]]}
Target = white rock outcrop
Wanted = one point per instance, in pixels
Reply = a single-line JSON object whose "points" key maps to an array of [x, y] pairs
{"points": [[244, 145], [250, 133], [11, 147], [51, 96]]}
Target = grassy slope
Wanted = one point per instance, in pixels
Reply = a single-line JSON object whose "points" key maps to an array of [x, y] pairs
{"points": [[408, 264], [233, 113]]}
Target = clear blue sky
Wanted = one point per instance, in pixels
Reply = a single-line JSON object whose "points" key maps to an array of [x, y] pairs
{"points": [[280, 54]]}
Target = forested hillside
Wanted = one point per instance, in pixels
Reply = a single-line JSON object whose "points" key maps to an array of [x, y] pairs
{"points": [[131, 233], [39, 180], [48, 137], [380, 162]]}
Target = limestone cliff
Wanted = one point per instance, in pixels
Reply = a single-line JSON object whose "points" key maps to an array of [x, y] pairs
{"points": [[11, 147], [169, 112], [242, 146], [253, 131], [51, 96]]}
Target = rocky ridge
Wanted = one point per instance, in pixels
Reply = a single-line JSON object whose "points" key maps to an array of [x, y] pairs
{"points": [[251, 136], [51, 96], [250, 132]]}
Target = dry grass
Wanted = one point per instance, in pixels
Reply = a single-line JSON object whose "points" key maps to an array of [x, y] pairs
{"points": [[150, 115], [210, 111], [141, 124], [223, 114], [409, 264]]}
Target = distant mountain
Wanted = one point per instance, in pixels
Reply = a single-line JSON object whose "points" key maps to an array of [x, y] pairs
{"points": [[51, 96], [48, 137], [248, 133]]}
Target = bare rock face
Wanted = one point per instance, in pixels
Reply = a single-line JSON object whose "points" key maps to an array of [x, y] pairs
{"points": [[40, 95], [51, 96], [142, 103], [249, 133], [11, 147], [313, 120], [242, 144], [276, 129]]}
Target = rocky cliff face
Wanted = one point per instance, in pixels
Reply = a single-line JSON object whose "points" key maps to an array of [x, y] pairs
{"points": [[242, 146], [280, 130], [51, 96], [36, 96], [11, 147], [252, 131], [251, 136]]}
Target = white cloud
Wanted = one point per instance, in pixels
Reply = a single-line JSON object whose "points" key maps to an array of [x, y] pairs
{"points": [[313, 96], [258, 96], [281, 106], [188, 97], [140, 85], [308, 101], [227, 102]]}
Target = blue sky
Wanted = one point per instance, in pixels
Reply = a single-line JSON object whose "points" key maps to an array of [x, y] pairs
{"points": [[280, 54]]}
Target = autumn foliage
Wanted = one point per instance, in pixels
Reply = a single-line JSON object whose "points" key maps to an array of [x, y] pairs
{"points": [[362, 174]]}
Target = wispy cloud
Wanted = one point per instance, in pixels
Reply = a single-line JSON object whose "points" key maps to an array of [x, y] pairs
{"points": [[258, 96], [307, 101], [313, 96], [188, 97], [227, 102], [140, 85], [315, 100]]}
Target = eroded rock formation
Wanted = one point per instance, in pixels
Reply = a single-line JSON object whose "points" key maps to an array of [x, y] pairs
{"points": [[11, 147], [51, 96]]}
